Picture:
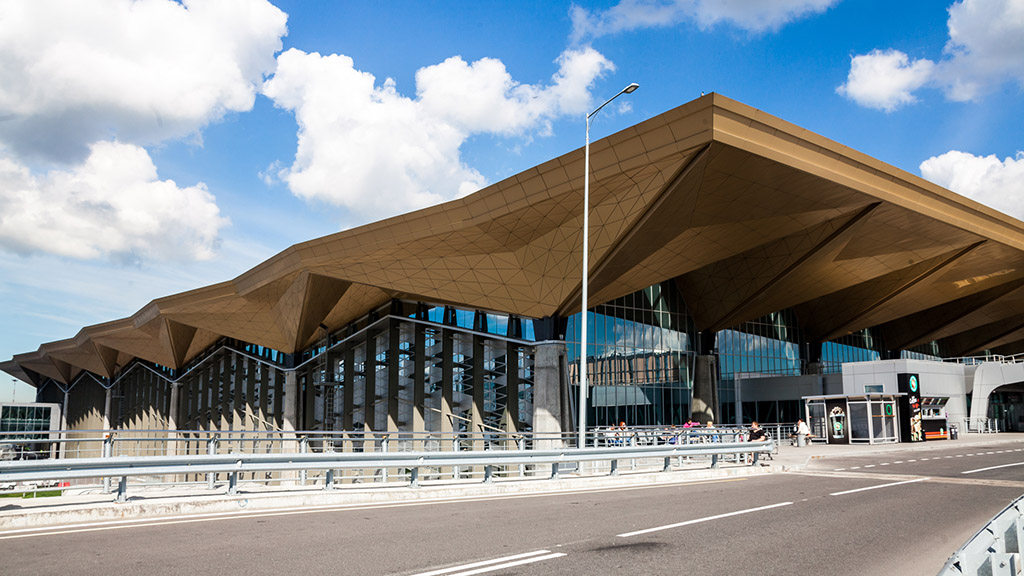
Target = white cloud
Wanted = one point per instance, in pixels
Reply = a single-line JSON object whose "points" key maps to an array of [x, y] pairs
{"points": [[885, 80], [112, 205], [750, 15], [366, 147], [73, 73], [995, 183], [985, 49]]}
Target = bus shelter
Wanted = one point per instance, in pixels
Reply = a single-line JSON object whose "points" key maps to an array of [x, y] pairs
{"points": [[854, 419]]}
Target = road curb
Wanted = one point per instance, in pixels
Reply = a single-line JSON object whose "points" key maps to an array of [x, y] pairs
{"points": [[148, 505]]}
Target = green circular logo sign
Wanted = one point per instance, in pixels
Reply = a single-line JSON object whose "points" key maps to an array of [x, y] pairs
{"points": [[888, 409], [913, 383]]}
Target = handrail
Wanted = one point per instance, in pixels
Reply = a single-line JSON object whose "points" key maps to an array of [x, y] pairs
{"points": [[236, 463]]}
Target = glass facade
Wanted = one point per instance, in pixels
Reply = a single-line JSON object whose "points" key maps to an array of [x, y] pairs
{"points": [[639, 358], [25, 420], [767, 346], [860, 346]]}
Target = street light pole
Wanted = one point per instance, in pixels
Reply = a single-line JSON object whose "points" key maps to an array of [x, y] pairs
{"points": [[586, 270]]}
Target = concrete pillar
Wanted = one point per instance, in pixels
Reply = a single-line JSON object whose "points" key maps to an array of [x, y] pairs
{"points": [[172, 420], [106, 409], [289, 415], [64, 423], [291, 400], [547, 404], [705, 388]]}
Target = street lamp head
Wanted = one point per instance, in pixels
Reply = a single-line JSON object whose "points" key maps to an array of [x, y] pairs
{"points": [[631, 88]]}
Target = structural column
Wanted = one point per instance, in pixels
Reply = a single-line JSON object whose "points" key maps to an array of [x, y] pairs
{"points": [[291, 399], [705, 379], [547, 404], [172, 419]]}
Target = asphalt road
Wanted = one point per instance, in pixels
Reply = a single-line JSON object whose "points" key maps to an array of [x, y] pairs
{"points": [[885, 513]]}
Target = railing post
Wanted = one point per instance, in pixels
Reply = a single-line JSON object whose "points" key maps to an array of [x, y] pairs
{"points": [[122, 489], [108, 451], [614, 468], [384, 449], [233, 483], [632, 444], [714, 461], [668, 464], [456, 470], [211, 449], [521, 444], [488, 474], [303, 449], [554, 471], [328, 480], [753, 461], [414, 477]]}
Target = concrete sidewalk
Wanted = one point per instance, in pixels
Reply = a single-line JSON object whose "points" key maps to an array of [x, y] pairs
{"points": [[77, 507], [797, 458]]}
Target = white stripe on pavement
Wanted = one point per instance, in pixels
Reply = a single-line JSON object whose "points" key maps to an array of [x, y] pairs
{"points": [[993, 467], [879, 486], [707, 519], [509, 561], [509, 564]]}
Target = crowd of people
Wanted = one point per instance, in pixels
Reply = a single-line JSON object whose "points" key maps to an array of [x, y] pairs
{"points": [[689, 433]]}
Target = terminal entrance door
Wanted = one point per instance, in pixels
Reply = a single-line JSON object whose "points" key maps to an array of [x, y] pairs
{"points": [[1006, 405]]}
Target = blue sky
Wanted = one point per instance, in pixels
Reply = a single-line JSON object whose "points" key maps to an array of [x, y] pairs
{"points": [[151, 147]]}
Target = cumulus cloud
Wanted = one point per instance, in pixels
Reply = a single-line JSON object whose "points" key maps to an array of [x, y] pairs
{"points": [[995, 183], [364, 146], [73, 73], [885, 80], [752, 16], [985, 49], [111, 205]]}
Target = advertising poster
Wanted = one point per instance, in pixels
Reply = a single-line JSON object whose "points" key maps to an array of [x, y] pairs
{"points": [[837, 422], [911, 429]]}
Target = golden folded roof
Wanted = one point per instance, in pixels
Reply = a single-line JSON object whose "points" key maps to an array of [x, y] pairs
{"points": [[748, 214]]}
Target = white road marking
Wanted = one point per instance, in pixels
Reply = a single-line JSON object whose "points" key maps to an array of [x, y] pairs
{"points": [[869, 466], [993, 467], [707, 519], [959, 455], [854, 467], [495, 564], [884, 464], [879, 486], [914, 460], [839, 469]]}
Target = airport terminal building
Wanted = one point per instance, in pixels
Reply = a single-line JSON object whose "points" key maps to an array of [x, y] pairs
{"points": [[736, 263]]}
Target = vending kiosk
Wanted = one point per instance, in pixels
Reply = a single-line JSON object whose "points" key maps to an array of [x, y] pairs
{"points": [[933, 417]]}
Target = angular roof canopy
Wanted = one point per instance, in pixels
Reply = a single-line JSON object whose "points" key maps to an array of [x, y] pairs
{"points": [[748, 214]]}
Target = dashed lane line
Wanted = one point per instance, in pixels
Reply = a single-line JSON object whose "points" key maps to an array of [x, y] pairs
{"points": [[705, 519], [993, 468], [878, 486]]}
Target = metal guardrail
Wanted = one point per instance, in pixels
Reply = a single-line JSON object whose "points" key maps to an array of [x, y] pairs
{"points": [[409, 462], [995, 550]]}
